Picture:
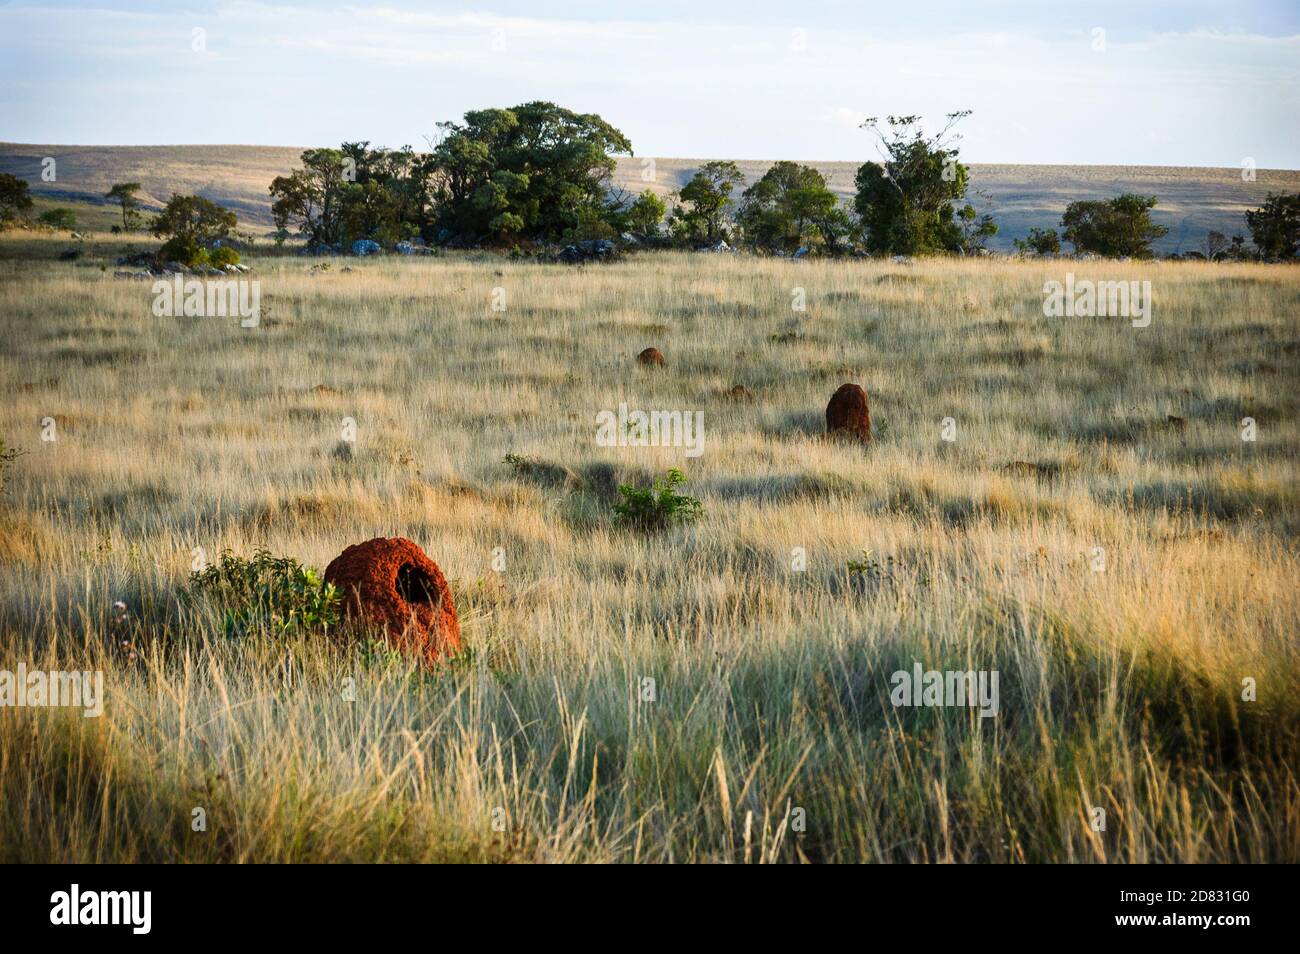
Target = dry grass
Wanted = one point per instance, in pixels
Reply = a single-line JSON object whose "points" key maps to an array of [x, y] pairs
{"points": [[1120, 690]]}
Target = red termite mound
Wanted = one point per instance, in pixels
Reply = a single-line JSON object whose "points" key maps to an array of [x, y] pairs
{"points": [[847, 414], [390, 582]]}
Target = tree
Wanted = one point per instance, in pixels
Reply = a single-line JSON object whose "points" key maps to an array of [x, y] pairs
{"points": [[535, 170], [1275, 227], [1041, 242], [312, 197], [15, 203], [190, 223], [1115, 227], [645, 214], [385, 193], [195, 218], [975, 229], [709, 194], [124, 193], [791, 206], [907, 201], [59, 218], [1215, 245]]}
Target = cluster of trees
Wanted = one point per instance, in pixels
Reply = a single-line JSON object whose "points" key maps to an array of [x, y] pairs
{"points": [[536, 171], [1115, 228], [912, 201], [541, 173], [1122, 227], [354, 192]]}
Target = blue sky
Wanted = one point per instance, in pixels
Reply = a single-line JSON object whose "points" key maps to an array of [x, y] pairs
{"points": [[1163, 83]]}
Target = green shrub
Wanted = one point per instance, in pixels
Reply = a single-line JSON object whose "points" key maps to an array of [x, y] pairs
{"points": [[187, 251], [1040, 241], [267, 594], [59, 218], [654, 508], [223, 256], [1118, 227]]}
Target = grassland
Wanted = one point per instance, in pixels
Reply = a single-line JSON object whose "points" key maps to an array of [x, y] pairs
{"points": [[1120, 689], [1192, 200]]}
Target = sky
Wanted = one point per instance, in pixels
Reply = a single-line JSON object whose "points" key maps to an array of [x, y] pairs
{"points": [[1172, 82]]}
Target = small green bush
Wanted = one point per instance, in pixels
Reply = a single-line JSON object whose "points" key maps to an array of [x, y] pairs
{"points": [[187, 251], [223, 256], [654, 508], [59, 218], [267, 594]]}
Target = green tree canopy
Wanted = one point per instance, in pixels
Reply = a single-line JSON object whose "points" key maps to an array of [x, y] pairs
{"points": [[791, 206], [190, 223], [536, 170], [645, 214], [1275, 227], [311, 198], [59, 218], [908, 201], [15, 203], [1115, 227], [193, 218], [706, 202]]}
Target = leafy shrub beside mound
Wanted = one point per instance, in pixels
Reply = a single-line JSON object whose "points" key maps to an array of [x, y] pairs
{"points": [[654, 508], [266, 594]]}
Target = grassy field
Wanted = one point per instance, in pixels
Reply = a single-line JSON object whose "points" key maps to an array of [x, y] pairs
{"points": [[771, 735], [1020, 197]]}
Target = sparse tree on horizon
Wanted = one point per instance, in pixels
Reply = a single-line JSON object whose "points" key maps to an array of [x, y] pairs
{"points": [[124, 194]]}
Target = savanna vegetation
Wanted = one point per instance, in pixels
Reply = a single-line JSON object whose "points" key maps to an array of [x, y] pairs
{"points": [[666, 658]]}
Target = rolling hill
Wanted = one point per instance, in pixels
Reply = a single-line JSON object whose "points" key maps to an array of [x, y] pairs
{"points": [[1192, 200]]}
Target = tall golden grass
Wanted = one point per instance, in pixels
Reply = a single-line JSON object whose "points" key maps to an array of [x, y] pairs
{"points": [[771, 736]]}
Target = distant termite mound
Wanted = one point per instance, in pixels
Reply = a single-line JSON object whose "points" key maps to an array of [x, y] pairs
{"points": [[847, 415]]}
